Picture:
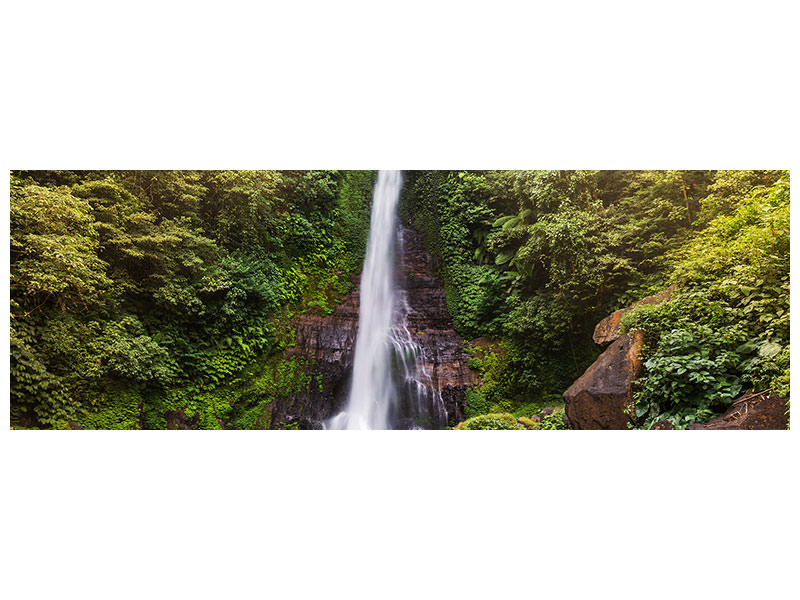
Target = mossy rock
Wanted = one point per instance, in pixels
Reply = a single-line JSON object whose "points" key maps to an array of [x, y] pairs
{"points": [[528, 423], [550, 418], [491, 421]]}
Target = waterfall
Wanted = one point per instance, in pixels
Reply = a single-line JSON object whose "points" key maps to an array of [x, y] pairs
{"points": [[391, 388]]}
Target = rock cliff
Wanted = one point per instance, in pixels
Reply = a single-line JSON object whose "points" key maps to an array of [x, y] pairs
{"points": [[327, 343]]}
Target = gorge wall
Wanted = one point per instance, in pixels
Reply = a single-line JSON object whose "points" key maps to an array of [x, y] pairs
{"points": [[327, 343]]}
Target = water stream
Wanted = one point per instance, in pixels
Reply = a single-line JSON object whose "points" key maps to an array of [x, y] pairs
{"points": [[391, 388]]}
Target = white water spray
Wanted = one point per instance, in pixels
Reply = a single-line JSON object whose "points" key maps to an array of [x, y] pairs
{"points": [[383, 339]]}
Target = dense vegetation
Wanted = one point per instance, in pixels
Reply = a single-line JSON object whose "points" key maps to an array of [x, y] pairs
{"points": [[726, 329], [136, 295], [531, 260], [143, 296]]}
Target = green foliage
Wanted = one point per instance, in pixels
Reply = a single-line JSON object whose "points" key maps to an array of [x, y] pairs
{"points": [[238, 401], [129, 353], [492, 394], [554, 420], [533, 259], [37, 396], [54, 248], [116, 408], [148, 291], [727, 328], [692, 375], [476, 403]]}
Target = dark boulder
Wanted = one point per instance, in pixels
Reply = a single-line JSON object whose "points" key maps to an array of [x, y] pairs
{"points": [[177, 419], [601, 398], [751, 411]]}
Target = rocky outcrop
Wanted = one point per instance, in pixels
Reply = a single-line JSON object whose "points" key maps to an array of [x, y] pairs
{"points": [[751, 411], [607, 330], [328, 344], [602, 396]]}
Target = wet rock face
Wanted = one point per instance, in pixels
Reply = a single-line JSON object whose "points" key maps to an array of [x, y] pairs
{"points": [[751, 411], [431, 327], [328, 343], [602, 396]]}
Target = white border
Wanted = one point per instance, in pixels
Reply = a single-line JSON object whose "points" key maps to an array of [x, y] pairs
{"points": [[411, 85]]}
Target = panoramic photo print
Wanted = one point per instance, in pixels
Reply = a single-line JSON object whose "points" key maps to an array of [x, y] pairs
{"points": [[449, 300]]}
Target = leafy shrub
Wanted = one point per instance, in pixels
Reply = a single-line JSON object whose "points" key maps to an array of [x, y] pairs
{"points": [[554, 420], [132, 354], [691, 375], [476, 403], [137, 292]]}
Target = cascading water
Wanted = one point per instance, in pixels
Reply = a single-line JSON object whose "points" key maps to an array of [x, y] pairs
{"points": [[391, 388]]}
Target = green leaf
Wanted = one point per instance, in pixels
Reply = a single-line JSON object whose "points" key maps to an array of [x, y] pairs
{"points": [[770, 349], [499, 222]]}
